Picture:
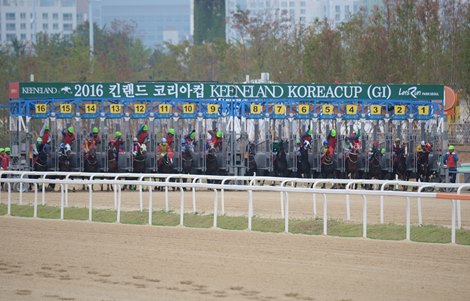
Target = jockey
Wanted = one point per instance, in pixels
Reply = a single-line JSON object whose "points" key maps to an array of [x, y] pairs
{"points": [[190, 138], [170, 137], [450, 160], [397, 147], [117, 144], [138, 148], [45, 133], [92, 139], [307, 136], [332, 138], [276, 146], [375, 150], [354, 140], [37, 147], [326, 149], [143, 135], [69, 136], [217, 138], [163, 147]]}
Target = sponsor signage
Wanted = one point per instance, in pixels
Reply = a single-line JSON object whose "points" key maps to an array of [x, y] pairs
{"points": [[193, 90]]}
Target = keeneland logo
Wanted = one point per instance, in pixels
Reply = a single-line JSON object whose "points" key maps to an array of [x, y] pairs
{"points": [[66, 89]]}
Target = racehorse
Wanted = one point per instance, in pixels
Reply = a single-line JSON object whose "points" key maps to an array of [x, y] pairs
{"points": [[328, 165], [250, 162], [303, 165], [112, 159], [399, 166], [138, 161], [41, 161], [187, 159], [375, 167], [422, 171], [351, 162], [280, 161], [212, 167], [165, 166], [64, 162], [91, 161]]}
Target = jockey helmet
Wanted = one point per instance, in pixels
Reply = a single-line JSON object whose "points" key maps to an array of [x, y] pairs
{"points": [[309, 132], [325, 142], [451, 147], [192, 135], [117, 134], [145, 128], [46, 128], [71, 129], [2, 150], [39, 139], [135, 139], [95, 130], [382, 150], [423, 143], [68, 148], [428, 145], [218, 134], [171, 131], [397, 139], [7, 149], [143, 148], [163, 140], [375, 144], [333, 133]]}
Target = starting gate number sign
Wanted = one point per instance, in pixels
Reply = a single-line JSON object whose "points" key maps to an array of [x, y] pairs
{"points": [[188, 108], [40, 108], [304, 109], [423, 110], [139, 108], [90, 108], [212, 109], [375, 110], [327, 109], [255, 109], [279, 109], [65, 108], [399, 110], [164, 108], [115, 108], [351, 109]]}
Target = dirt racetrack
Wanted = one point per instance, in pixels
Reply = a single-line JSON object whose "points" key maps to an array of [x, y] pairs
{"points": [[71, 260]]}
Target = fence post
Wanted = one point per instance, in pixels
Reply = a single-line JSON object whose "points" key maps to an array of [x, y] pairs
{"points": [[314, 205], [181, 206], [250, 208], [9, 200], [215, 209], [325, 215], [453, 222], [286, 214], [35, 215], [364, 216], [408, 218], [118, 214], [61, 201], [150, 204], [90, 202]]}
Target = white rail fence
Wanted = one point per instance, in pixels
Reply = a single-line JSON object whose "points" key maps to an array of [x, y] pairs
{"points": [[285, 187]]}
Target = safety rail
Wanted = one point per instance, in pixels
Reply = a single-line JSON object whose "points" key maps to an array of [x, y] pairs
{"points": [[16, 177]]}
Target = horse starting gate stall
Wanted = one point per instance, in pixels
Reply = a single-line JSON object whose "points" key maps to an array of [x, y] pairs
{"points": [[262, 115]]}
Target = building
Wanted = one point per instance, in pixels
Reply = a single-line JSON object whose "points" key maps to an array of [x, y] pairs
{"points": [[298, 12], [23, 19], [155, 21]]}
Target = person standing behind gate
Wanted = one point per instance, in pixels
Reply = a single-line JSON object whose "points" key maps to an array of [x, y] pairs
{"points": [[170, 137], [6, 158], [331, 138], [45, 134], [117, 144], [450, 160], [69, 136], [143, 135]]}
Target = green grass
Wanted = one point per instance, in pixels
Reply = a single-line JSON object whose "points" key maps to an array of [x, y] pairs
{"points": [[426, 233]]}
